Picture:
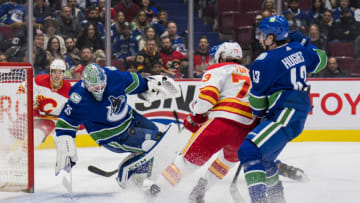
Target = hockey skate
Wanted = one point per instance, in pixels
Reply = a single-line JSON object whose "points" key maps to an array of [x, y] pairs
{"points": [[197, 194], [291, 172]]}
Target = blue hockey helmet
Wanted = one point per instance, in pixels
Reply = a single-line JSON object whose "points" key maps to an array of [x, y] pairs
{"points": [[276, 25], [94, 80]]}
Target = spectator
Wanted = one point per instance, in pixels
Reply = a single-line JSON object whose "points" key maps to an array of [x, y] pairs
{"points": [[86, 56], [160, 25], [174, 61], [176, 41], [139, 25], [148, 56], [346, 29], [93, 18], [268, 5], [68, 25], [343, 4], [90, 38], [299, 15], [118, 26], [130, 66], [333, 70], [316, 11], [101, 11], [42, 11], [16, 50], [53, 49], [50, 31], [72, 56], [76, 13], [3, 58], [125, 47], [157, 69], [149, 34], [150, 11], [201, 57], [12, 13], [129, 8], [330, 4], [39, 57], [325, 23], [294, 24], [315, 37]]}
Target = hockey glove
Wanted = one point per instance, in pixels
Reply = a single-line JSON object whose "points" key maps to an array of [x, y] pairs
{"points": [[194, 122], [65, 149], [161, 87], [296, 36]]}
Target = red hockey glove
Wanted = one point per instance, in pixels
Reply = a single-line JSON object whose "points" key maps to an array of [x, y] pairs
{"points": [[194, 122]]}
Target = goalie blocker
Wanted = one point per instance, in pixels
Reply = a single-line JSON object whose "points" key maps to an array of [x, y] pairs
{"points": [[136, 168]]}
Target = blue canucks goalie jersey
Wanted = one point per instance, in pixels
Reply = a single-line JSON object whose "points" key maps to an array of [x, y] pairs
{"points": [[108, 119], [281, 69]]}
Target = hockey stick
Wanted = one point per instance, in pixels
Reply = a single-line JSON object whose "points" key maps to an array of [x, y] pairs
{"points": [[101, 172], [177, 119], [234, 191]]}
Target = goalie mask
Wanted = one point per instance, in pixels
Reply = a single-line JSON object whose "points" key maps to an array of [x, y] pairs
{"points": [[94, 80]]}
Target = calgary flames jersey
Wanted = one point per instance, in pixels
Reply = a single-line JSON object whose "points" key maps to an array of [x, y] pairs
{"points": [[49, 101], [224, 90]]}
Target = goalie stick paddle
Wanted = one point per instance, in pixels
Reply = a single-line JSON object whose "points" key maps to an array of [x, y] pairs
{"points": [[234, 191], [67, 182], [101, 172]]}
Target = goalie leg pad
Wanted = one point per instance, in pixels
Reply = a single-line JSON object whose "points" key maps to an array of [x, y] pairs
{"points": [[157, 158]]}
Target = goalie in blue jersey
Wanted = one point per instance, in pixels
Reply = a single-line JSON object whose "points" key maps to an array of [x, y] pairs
{"points": [[99, 101], [279, 95]]}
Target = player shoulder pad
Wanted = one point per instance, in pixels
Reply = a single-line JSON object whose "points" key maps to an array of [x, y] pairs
{"points": [[43, 80], [112, 68], [262, 56]]}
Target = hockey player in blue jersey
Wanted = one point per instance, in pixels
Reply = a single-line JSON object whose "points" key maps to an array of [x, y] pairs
{"points": [[99, 102], [279, 95]]}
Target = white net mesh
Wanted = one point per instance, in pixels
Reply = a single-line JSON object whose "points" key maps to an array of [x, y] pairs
{"points": [[13, 130]]}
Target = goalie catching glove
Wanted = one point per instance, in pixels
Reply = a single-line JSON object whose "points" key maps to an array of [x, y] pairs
{"points": [[194, 122], [160, 87], [65, 149]]}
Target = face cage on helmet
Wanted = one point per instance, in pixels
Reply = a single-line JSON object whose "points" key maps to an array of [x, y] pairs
{"points": [[97, 90]]}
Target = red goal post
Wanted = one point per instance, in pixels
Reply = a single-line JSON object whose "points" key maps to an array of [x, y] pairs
{"points": [[16, 127]]}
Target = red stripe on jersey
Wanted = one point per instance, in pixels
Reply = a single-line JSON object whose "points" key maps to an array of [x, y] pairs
{"points": [[210, 94], [234, 106]]}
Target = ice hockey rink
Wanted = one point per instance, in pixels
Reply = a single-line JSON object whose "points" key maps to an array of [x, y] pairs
{"points": [[332, 168]]}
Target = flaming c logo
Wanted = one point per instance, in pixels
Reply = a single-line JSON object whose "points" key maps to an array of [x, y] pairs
{"points": [[46, 104]]}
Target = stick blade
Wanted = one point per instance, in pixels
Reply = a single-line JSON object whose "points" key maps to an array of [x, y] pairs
{"points": [[101, 172], [235, 194]]}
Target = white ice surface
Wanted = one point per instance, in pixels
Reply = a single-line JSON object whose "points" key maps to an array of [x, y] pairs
{"points": [[333, 169]]}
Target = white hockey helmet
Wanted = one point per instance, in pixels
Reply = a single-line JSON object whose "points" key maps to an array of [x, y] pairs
{"points": [[228, 51], [58, 64]]}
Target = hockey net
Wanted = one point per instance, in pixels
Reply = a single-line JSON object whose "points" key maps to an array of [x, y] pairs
{"points": [[16, 127]]}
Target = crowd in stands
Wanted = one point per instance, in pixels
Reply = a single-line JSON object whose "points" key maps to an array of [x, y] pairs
{"points": [[144, 40]]}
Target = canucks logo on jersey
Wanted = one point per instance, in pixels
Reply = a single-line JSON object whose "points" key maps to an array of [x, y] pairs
{"points": [[117, 109]]}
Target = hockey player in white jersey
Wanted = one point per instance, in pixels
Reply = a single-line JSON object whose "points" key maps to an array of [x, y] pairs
{"points": [[51, 92], [220, 119]]}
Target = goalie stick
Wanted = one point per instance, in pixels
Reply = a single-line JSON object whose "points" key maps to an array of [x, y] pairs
{"points": [[67, 182], [104, 173], [101, 172], [234, 191]]}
